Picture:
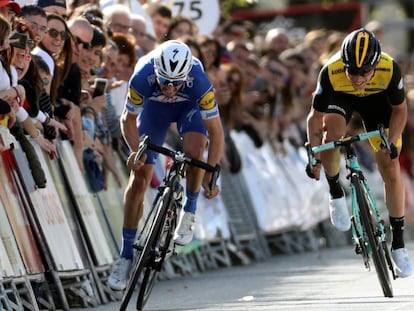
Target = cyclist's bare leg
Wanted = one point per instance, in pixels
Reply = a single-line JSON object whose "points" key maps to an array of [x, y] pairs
{"points": [[194, 145], [334, 128], [134, 195], [393, 184]]}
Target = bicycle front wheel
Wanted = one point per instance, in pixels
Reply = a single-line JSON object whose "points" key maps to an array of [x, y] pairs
{"points": [[371, 228], [147, 253], [165, 225]]}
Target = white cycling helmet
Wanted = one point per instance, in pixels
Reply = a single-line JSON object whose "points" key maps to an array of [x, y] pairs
{"points": [[173, 60]]}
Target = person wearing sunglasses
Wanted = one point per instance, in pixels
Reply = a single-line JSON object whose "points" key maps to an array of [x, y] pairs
{"points": [[70, 90], [361, 78], [168, 85]]}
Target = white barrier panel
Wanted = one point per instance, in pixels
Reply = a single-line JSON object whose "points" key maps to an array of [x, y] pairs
{"points": [[6, 269], [11, 263], [212, 218], [54, 223], [284, 186], [112, 202], [283, 196], [409, 196], [78, 185], [267, 188], [312, 195], [11, 193]]}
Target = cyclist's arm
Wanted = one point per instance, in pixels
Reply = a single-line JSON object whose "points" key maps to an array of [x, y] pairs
{"points": [[396, 92], [215, 152], [216, 140], [211, 118], [133, 106], [212, 122], [314, 127], [320, 100], [397, 122], [129, 130]]}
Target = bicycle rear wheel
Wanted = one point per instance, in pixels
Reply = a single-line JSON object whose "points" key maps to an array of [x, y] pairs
{"points": [[146, 247], [371, 227]]}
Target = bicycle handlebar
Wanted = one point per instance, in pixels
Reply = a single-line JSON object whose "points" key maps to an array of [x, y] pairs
{"points": [[176, 155], [348, 140]]}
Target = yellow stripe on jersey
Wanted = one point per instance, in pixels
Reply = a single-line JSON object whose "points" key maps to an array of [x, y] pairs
{"points": [[208, 101], [134, 97]]}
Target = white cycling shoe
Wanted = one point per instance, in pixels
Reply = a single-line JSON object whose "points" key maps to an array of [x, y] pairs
{"points": [[185, 230], [403, 264], [118, 279], [339, 214]]}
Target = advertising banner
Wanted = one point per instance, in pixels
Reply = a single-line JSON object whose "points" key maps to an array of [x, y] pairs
{"points": [[11, 263], [15, 209], [53, 221], [85, 204]]}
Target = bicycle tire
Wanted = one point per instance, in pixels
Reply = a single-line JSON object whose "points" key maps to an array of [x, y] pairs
{"points": [[147, 285], [144, 258], [370, 225], [164, 237]]}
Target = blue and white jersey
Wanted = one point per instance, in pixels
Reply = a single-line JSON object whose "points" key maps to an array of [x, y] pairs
{"points": [[144, 89]]}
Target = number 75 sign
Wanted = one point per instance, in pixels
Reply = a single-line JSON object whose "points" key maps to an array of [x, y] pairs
{"points": [[205, 13]]}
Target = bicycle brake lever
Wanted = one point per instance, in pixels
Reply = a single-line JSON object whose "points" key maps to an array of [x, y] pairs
{"points": [[214, 177], [311, 156], [384, 138], [142, 147]]}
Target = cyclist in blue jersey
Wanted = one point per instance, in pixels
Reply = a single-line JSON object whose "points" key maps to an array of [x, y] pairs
{"points": [[168, 85]]}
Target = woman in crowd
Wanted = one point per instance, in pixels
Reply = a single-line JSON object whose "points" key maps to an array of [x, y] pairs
{"points": [[30, 79], [56, 50], [181, 26]]}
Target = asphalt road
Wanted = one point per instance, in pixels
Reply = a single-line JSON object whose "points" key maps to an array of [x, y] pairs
{"points": [[328, 279]]}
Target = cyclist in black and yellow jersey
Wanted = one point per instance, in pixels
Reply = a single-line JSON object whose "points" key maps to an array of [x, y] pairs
{"points": [[363, 79]]}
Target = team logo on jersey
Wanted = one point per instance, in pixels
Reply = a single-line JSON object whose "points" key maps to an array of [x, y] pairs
{"points": [[208, 101], [134, 97]]}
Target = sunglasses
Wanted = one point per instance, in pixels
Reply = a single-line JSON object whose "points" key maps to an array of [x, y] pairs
{"points": [[54, 33], [165, 81], [359, 72], [85, 45]]}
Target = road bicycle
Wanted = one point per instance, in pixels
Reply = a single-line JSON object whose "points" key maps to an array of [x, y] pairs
{"points": [[155, 240], [369, 233]]}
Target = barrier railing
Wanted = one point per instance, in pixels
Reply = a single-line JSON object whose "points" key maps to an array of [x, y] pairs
{"points": [[70, 237]]}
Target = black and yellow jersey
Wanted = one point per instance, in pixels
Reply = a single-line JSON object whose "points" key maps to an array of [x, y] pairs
{"points": [[334, 85]]}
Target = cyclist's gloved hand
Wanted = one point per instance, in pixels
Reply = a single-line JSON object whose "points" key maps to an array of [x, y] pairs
{"points": [[393, 151]]}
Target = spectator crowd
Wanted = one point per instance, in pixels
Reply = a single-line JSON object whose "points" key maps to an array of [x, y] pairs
{"points": [[51, 52]]}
